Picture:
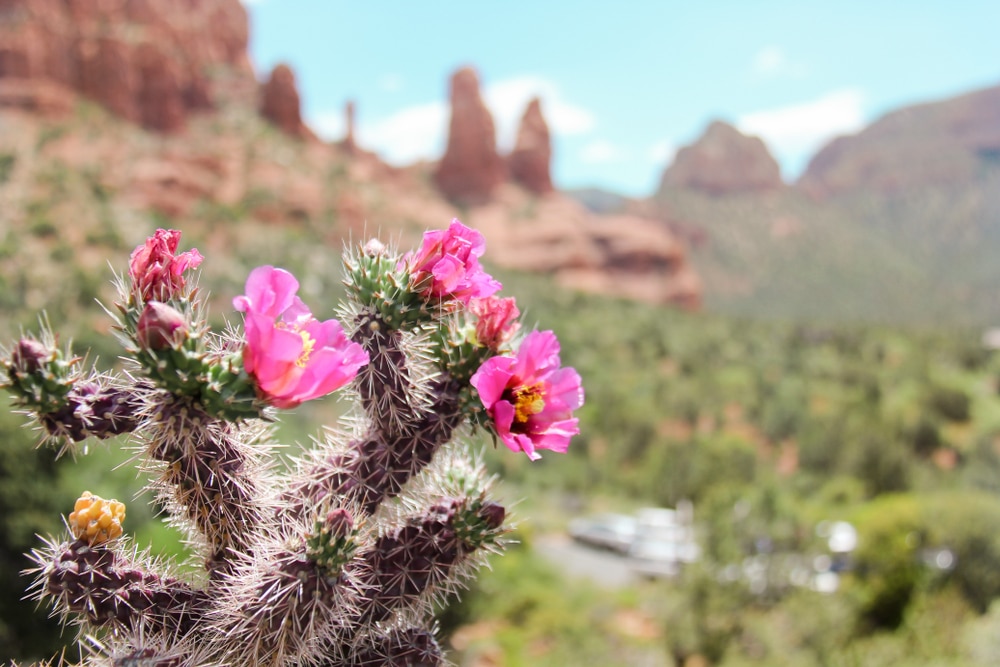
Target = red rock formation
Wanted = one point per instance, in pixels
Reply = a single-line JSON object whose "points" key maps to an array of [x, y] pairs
{"points": [[529, 162], [723, 161], [921, 146], [626, 256], [471, 168], [144, 60], [349, 144], [279, 102]]}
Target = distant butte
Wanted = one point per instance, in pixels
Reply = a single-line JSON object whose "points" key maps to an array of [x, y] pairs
{"points": [[471, 168], [723, 161]]}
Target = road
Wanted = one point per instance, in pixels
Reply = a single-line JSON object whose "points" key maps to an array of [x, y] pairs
{"points": [[604, 568]]}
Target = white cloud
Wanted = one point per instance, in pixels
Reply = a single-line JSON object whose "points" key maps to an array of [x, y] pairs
{"points": [[599, 151], [330, 125], [662, 152], [508, 99], [795, 132], [408, 135], [390, 83], [404, 137], [420, 132], [411, 134], [771, 62]]}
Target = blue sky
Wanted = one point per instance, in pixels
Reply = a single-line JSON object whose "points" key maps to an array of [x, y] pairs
{"points": [[624, 84]]}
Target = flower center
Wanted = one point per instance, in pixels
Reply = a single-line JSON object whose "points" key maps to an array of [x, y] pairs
{"points": [[308, 343], [528, 401]]}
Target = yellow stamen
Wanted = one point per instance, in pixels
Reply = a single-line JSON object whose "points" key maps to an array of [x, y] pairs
{"points": [[528, 401], [308, 343]]}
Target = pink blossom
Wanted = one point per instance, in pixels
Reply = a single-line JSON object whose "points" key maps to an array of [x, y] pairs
{"points": [[156, 272], [497, 321], [529, 397], [446, 266], [293, 356]]}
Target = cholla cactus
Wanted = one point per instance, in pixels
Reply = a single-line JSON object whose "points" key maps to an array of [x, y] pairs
{"points": [[341, 559]]}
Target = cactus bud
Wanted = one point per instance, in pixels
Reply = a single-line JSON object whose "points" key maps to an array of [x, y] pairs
{"points": [[492, 515], [331, 544], [477, 523], [95, 519], [340, 523], [374, 248], [160, 326], [29, 355], [156, 270]]}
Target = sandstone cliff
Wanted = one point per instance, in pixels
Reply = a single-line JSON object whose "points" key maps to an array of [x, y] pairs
{"points": [[471, 168], [723, 161], [148, 61], [531, 158], [938, 143]]}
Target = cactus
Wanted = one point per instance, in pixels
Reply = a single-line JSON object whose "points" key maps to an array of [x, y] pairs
{"points": [[341, 559]]}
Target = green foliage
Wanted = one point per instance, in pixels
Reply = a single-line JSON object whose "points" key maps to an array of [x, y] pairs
{"points": [[7, 162], [30, 503]]}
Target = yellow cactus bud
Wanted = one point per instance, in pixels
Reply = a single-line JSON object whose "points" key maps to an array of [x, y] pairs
{"points": [[95, 519]]}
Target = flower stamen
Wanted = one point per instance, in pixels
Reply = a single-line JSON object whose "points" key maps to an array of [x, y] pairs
{"points": [[308, 343], [528, 400]]}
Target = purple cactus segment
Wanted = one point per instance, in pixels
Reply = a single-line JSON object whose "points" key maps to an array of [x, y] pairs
{"points": [[418, 559], [109, 591], [377, 467], [283, 609], [384, 384], [211, 478], [146, 658], [93, 410], [413, 647]]}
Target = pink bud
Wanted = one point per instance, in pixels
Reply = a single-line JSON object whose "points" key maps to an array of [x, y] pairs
{"points": [[340, 523], [156, 271], [160, 326], [29, 355]]}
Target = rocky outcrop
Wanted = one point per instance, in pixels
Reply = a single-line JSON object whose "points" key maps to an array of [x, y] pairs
{"points": [[723, 161], [926, 145], [279, 102], [349, 143], [624, 256], [471, 168], [147, 61], [529, 162]]}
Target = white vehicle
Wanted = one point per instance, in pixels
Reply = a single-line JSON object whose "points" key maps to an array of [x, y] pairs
{"points": [[607, 531], [664, 541]]}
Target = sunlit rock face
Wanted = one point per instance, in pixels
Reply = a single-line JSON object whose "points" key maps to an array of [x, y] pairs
{"points": [[153, 62], [471, 168], [529, 162], [723, 161]]}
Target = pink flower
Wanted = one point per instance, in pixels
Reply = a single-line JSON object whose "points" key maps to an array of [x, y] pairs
{"points": [[293, 356], [156, 272], [447, 265], [529, 397], [497, 321]]}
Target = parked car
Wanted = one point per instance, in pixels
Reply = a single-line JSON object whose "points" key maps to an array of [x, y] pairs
{"points": [[616, 532], [664, 542]]}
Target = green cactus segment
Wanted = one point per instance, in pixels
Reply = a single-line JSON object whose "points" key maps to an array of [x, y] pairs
{"points": [[230, 393], [218, 383], [478, 522], [461, 356], [331, 544], [375, 281], [38, 376]]}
